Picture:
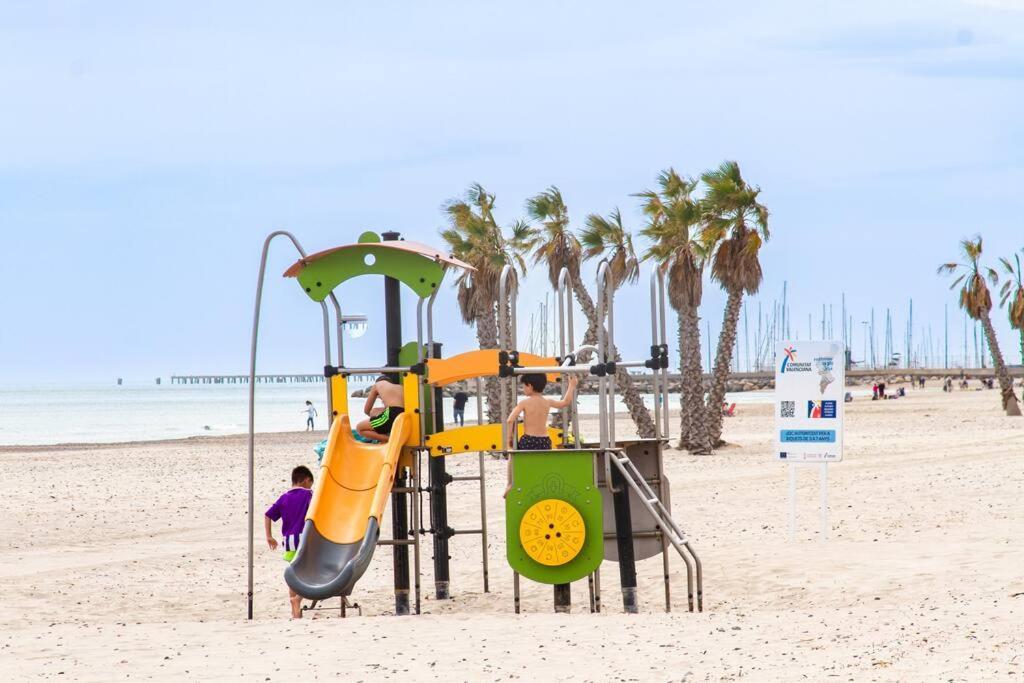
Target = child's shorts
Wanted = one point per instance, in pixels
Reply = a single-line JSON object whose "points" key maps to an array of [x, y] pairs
{"points": [[534, 443], [289, 555], [383, 423]]}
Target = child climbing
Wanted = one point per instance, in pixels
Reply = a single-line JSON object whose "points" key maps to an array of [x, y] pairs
{"points": [[535, 410], [291, 508], [378, 427]]}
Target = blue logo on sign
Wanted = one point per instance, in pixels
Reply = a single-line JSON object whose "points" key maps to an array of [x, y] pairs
{"points": [[807, 436], [821, 410]]}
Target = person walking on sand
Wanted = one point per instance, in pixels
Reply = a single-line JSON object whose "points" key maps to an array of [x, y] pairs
{"points": [[459, 408], [389, 391], [310, 412], [291, 509]]}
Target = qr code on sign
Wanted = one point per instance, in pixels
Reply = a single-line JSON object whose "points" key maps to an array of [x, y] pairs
{"points": [[787, 408]]}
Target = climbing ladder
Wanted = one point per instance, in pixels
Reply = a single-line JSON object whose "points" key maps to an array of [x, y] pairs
{"points": [[663, 518]]}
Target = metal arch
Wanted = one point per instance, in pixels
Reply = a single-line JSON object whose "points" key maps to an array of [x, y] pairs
{"points": [[252, 386]]}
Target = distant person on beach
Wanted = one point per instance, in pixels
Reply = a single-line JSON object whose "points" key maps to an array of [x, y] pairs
{"points": [[534, 409], [291, 509], [459, 409], [378, 427], [310, 412]]}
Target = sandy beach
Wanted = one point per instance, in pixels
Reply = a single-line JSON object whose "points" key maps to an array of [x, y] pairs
{"points": [[127, 561]]}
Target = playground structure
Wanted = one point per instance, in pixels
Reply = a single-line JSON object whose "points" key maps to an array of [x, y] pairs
{"points": [[569, 509]]}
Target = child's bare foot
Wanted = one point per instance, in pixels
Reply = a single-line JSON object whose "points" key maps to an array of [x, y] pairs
{"points": [[296, 607]]}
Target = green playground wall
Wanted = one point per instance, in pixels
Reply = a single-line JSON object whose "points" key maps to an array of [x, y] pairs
{"points": [[566, 475]]}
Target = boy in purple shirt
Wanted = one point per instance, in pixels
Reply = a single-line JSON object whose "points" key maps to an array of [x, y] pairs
{"points": [[291, 508]]}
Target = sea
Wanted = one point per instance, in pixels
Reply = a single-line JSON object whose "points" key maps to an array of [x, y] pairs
{"points": [[108, 413]]}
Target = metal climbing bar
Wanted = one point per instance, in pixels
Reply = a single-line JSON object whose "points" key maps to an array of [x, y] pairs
{"points": [[672, 531]]}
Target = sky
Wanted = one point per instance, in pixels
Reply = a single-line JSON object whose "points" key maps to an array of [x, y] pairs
{"points": [[147, 149]]}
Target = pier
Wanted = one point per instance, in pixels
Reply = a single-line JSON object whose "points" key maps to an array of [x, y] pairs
{"points": [[260, 379], [765, 378]]}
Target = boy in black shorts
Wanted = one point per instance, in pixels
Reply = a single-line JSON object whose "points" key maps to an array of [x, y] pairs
{"points": [[378, 427]]}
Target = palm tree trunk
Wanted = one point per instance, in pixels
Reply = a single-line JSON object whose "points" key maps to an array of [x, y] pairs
{"points": [[638, 411], [487, 337], [1010, 404], [698, 440], [723, 359], [685, 416], [589, 312], [634, 403]]}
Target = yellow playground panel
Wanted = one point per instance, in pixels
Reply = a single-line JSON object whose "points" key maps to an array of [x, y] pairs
{"points": [[485, 437], [480, 363]]}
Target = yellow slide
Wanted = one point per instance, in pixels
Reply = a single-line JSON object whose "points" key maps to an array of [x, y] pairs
{"points": [[343, 521]]}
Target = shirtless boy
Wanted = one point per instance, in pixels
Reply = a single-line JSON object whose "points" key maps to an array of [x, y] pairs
{"points": [[378, 427], [535, 410]]}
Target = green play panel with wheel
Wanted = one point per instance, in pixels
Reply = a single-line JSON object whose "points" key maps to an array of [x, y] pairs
{"points": [[553, 516]]}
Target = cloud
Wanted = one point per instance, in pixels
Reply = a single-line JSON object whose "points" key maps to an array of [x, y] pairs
{"points": [[1010, 5], [1007, 69], [889, 41]]}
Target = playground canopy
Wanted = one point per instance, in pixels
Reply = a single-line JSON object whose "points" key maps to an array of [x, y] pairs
{"points": [[419, 266]]}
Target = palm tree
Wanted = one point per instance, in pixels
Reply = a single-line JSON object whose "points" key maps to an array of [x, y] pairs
{"points": [[976, 301], [1013, 292], [475, 237], [557, 247], [673, 215], [735, 227], [607, 237]]}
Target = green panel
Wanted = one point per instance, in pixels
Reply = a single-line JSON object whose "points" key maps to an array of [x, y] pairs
{"points": [[421, 274], [409, 355], [565, 475]]}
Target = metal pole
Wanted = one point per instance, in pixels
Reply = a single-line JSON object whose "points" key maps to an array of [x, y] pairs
{"points": [[563, 346], [327, 361], [505, 344], [613, 477], [792, 501], [483, 487], [252, 401], [417, 523], [655, 376], [664, 341], [607, 349], [439, 479], [945, 321], [823, 504], [624, 541], [399, 502], [662, 494]]}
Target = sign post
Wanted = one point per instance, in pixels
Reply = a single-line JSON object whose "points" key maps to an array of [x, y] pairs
{"points": [[810, 385]]}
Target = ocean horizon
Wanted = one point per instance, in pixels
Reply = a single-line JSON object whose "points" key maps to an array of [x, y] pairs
{"points": [[49, 414]]}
